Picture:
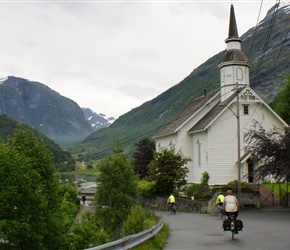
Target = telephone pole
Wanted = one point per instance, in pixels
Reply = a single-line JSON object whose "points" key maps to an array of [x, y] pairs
{"points": [[238, 147]]}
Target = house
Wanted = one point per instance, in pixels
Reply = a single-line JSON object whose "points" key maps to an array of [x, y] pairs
{"points": [[210, 130]]}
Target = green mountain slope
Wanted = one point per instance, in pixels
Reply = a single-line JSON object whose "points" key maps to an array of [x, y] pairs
{"points": [[62, 159], [270, 65]]}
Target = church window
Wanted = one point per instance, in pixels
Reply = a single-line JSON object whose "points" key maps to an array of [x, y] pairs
{"points": [[159, 147], [246, 109], [171, 145], [239, 74], [199, 153]]}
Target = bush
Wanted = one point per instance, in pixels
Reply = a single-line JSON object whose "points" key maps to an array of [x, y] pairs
{"points": [[233, 185], [86, 233], [204, 179], [198, 191], [146, 188], [138, 221]]}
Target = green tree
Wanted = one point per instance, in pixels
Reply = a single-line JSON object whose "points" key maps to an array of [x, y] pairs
{"points": [[118, 149], [90, 166], [69, 204], [116, 191], [272, 151], [168, 170], [283, 99], [29, 202], [143, 156]]}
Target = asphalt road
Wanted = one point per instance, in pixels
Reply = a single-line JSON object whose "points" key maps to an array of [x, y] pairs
{"points": [[263, 229]]}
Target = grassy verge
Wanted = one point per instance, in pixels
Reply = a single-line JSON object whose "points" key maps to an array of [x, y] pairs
{"points": [[157, 242]]}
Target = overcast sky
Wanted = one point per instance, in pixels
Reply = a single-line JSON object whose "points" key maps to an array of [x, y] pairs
{"points": [[113, 56]]}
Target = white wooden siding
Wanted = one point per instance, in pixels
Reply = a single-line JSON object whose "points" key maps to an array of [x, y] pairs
{"points": [[219, 141]]}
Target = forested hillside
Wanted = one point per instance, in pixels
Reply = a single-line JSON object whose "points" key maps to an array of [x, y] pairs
{"points": [[61, 159]]}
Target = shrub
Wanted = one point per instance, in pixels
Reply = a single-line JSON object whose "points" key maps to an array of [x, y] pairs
{"points": [[146, 188], [138, 221], [233, 185]]}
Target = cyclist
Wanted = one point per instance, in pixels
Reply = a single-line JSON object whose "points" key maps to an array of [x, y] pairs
{"points": [[219, 202], [231, 204], [171, 200]]}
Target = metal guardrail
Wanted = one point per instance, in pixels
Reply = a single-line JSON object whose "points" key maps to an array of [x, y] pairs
{"points": [[132, 240]]}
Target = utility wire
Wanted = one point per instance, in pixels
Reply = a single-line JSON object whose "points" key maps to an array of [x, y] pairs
{"points": [[267, 37], [285, 39], [254, 35]]}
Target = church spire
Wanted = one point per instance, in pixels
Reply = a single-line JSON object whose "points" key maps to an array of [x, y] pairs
{"points": [[233, 30], [234, 66]]}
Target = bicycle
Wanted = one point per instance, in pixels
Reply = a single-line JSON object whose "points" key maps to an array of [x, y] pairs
{"points": [[172, 208], [232, 219], [221, 212], [233, 224]]}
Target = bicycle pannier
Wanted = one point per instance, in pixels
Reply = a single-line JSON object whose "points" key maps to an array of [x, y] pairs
{"points": [[239, 225], [226, 225]]}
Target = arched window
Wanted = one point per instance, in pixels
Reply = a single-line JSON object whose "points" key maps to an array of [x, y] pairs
{"points": [[159, 147], [171, 145], [239, 72]]}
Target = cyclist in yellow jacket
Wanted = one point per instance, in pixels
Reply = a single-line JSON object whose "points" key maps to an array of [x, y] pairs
{"points": [[171, 199], [220, 200], [219, 204]]}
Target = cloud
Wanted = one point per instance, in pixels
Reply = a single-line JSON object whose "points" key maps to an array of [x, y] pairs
{"points": [[114, 56]]}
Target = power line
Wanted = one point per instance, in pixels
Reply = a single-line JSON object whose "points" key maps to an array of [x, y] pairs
{"points": [[267, 37], [285, 39], [254, 35]]}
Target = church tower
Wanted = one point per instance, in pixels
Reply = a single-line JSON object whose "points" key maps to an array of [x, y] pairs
{"points": [[234, 66]]}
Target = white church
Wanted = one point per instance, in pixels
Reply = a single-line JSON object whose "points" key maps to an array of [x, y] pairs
{"points": [[210, 130]]}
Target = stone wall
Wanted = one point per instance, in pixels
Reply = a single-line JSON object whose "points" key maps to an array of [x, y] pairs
{"points": [[184, 205], [248, 199]]}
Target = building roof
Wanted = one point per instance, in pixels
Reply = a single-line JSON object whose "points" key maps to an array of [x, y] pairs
{"points": [[235, 55], [189, 111], [211, 115]]}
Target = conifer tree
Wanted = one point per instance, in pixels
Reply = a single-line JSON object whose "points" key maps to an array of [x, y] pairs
{"points": [[142, 157]]}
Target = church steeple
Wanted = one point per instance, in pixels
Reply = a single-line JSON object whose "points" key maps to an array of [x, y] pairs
{"points": [[234, 66], [233, 30]]}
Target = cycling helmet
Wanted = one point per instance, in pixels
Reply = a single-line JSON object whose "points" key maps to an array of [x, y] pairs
{"points": [[229, 192]]}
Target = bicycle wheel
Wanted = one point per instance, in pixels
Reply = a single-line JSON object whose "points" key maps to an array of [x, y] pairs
{"points": [[174, 209], [233, 235], [221, 213]]}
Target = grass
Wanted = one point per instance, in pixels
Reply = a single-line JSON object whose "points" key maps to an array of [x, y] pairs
{"points": [[277, 187], [157, 242]]}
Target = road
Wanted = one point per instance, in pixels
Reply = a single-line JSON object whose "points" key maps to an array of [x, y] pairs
{"points": [[263, 229]]}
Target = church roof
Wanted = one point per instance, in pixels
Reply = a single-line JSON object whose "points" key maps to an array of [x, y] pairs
{"points": [[234, 55], [212, 114], [190, 110]]}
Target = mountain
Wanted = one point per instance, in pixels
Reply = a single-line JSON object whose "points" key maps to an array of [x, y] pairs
{"points": [[267, 47], [97, 121], [62, 159], [36, 105]]}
